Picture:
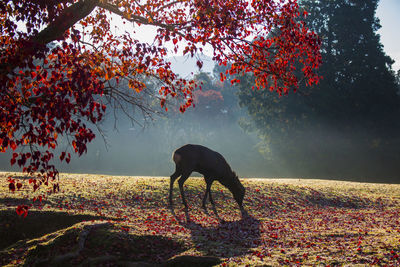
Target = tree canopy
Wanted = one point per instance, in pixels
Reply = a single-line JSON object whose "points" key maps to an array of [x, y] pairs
{"points": [[60, 62]]}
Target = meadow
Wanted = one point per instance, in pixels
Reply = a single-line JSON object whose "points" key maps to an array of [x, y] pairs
{"points": [[102, 220]]}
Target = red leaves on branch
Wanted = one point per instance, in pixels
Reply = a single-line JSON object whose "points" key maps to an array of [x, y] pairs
{"points": [[50, 89], [14, 185]]}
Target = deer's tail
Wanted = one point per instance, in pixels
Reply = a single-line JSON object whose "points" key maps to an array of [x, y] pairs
{"points": [[176, 158]]}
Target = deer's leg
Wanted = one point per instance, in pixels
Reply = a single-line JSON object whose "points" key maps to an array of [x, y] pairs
{"points": [[181, 181], [208, 188], [212, 200], [174, 176], [208, 193]]}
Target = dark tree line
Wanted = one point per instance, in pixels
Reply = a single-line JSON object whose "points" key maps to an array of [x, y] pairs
{"points": [[348, 125]]}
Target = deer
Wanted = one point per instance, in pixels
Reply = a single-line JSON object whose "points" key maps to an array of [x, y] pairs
{"points": [[196, 158]]}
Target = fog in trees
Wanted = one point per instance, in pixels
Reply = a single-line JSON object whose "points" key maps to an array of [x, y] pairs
{"points": [[145, 147]]}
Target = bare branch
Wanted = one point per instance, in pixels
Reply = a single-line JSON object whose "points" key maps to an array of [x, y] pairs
{"points": [[135, 18]]}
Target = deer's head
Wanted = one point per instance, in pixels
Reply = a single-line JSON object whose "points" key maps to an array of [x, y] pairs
{"points": [[237, 189]]}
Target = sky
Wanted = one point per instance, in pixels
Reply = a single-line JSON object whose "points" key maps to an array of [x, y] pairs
{"points": [[388, 13]]}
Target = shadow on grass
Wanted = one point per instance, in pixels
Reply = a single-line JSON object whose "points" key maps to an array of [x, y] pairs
{"points": [[228, 239], [321, 199], [12, 202], [97, 243], [124, 248], [14, 228], [285, 198]]}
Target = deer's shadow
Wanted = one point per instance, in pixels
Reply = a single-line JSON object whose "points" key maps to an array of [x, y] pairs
{"points": [[228, 238]]}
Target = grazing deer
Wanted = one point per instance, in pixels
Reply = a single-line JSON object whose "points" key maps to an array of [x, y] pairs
{"points": [[212, 165]]}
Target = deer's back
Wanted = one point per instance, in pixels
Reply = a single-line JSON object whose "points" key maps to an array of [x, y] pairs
{"points": [[201, 159]]}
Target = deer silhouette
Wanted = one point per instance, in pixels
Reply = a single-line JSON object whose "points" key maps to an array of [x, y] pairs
{"points": [[196, 158]]}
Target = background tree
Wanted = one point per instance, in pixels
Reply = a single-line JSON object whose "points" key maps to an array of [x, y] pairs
{"points": [[348, 124], [397, 77]]}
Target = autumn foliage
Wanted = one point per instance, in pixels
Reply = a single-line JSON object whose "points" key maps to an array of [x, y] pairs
{"points": [[59, 60]]}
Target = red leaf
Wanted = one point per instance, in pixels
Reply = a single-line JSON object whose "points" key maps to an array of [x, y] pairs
{"points": [[35, 187], [22, 210], [19, 185], [13, 145], [11, 187], [62, 156]]}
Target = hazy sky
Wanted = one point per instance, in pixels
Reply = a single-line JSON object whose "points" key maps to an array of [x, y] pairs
{"points": [[389, 14]]}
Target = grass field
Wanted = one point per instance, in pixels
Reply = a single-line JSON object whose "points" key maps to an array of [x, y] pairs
{"points": [[103, 220]]}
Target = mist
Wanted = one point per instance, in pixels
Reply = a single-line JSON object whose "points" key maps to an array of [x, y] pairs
{"points": [[125, 148], [129, 149], [148, 151], [144, 147]]}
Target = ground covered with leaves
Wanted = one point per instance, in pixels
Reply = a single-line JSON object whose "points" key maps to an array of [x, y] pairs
{"points": [[105, 220]]}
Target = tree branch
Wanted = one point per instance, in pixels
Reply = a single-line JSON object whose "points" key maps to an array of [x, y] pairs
{"points": [[64, 21], [134, 18], [54, 31]]}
